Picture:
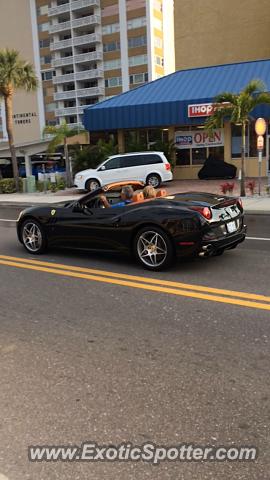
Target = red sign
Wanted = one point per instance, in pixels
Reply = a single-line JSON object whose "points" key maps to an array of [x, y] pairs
{"points": [[200, 110]]}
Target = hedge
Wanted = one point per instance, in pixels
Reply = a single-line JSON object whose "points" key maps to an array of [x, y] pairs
{"points": [[7, 185]]}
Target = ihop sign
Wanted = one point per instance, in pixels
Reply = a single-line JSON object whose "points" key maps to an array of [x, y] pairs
{"points": [[200, 110]]}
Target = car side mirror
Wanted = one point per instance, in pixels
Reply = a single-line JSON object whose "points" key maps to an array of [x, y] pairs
{"points": [[103, 167]]}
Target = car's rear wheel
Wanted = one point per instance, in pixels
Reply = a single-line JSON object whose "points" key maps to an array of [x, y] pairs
{"points": [[92, 184], [33, 236], [154, 180], [153, 248]]}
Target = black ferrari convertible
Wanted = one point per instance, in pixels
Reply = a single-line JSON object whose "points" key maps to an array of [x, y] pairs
{"points": [[154, 230]]}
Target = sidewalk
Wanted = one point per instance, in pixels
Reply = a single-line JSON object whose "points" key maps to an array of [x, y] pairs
{"points": [[252, 204]]}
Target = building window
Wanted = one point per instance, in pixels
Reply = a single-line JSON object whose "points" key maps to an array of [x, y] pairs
{"points": [[113, 82], [237, 141], [112, 64], [46, 59], [111, 47], [134, 42], [50, 107], [159, 60], [42, 10], [137, 60], [138, 78], [136, 23], [158, 24], [43, 27], [47, 75], [111, 28], [158, 42], [44, 43]]}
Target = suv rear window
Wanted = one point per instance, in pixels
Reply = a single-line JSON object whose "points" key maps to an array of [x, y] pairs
{"points": [[137, 160]]}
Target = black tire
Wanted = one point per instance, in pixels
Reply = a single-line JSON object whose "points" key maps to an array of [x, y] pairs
{"points": [[153, 179], [38, 243], [150, 260], [92, 184]]}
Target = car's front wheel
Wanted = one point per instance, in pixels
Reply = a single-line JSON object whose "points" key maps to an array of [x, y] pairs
{"points": [[153, 248], [92, 184], [154, 180], [33, 236]]}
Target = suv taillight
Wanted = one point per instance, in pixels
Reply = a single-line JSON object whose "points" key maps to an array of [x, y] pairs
{"points": [[167, 166], [204, 211]]}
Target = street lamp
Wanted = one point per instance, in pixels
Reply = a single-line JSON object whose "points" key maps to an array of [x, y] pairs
{"points": [[260, 129]]}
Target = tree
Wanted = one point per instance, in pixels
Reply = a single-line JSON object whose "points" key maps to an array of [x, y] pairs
{"points": [[15, 74], [237, 109], [60, 135]]}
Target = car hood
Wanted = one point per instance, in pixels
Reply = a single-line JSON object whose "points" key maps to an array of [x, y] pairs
{"points": [[89, 171]]}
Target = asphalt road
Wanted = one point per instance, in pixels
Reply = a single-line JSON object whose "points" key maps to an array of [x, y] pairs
{"points": [[100, 356]]}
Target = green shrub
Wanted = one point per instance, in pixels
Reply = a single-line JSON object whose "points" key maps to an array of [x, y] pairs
{"points": [[7, 185]]}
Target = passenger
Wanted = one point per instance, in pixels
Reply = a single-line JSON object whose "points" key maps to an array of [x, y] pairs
{"points": [[126, 197], [149, 192]]}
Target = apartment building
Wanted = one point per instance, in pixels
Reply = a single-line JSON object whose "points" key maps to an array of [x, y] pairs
{"points": [[85, 51], [216, 32]]}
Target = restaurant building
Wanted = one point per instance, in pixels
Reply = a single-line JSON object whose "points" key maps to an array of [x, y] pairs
{"points": [[174, 108]]}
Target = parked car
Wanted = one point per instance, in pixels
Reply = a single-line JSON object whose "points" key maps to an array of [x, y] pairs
{"points": [[154, 230], [216, 168], [152, 168]]}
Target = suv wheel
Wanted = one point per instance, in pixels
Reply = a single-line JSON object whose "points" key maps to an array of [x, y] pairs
{"points": [[92, 184], [154, 180]]}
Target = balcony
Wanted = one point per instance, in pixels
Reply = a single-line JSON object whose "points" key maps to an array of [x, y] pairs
{"points": [[83, 57], [85, 75], [74, 5], [65, 95], [90, 92], [69, 77], [61, 44], [62, 112], [82, 22], [59, 27], [86, 39], [77, 41]]}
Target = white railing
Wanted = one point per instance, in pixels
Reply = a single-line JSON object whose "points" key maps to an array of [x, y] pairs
{"points": [[90, 20], [58, 9], [61, 44], [69, 77], [61, 62], [75, 4], [65, 95], [59, 27], [62, 112], [90, 38], [90, 92], [94, 73], [88, 57]]}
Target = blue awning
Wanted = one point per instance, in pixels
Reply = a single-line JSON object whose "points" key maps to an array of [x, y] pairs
{"points": [[165, 101]]}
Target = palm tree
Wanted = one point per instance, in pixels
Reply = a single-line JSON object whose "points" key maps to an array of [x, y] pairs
{"points": [[237, 108], [60, 135], [15, 74]]}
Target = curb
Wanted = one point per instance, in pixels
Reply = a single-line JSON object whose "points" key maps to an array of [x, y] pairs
{"points": [[8, 223]]}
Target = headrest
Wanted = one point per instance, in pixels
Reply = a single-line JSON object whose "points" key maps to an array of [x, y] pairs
{"points": [[138, 197], [162, 193]]}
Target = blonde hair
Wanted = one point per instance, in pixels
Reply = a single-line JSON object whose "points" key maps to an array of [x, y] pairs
{"points": [[149, 192]]}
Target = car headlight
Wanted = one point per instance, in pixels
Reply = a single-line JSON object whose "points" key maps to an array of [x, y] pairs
{"points": [[79, 177]]}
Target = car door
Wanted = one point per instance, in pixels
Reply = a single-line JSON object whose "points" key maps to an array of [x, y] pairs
{"points": [[88, 228], [111, 170]]}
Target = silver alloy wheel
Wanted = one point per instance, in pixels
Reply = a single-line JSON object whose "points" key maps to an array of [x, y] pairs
{"points": [[153, 181], [152, 248], [93, 185], [32, 237]]}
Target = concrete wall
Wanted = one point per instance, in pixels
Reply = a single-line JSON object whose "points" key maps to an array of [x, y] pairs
{"points": [[16, 32], [213, 32]]}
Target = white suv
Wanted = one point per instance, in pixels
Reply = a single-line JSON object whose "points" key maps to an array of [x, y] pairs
{"points": [[149, 167]]}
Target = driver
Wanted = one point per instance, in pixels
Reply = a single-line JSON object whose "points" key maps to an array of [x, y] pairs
{"points": [[126, 197]]}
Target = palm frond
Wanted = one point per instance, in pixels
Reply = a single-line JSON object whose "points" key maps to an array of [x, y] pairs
{"points": [[226, 97], [254, 86]]}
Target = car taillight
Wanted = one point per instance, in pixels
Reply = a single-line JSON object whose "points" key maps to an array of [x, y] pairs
{"points": [[167, 166], [240, 203], [204, 211]]}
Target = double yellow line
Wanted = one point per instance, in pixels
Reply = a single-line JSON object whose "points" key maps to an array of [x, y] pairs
{"points": [[242, 299]]}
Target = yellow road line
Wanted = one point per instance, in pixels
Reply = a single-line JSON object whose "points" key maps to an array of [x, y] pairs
{"points": [[154, 281], [114, 281]]}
